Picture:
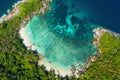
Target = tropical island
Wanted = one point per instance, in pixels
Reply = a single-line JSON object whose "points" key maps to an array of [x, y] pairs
{"points": [[16, 62]]}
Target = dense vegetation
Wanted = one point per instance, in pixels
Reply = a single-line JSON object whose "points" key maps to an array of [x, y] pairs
{"points": [[17, 63], [107, 67]]}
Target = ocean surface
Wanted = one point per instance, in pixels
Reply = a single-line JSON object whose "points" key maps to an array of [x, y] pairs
{"points": [[105, 12], [5, 5], [64, 34]]}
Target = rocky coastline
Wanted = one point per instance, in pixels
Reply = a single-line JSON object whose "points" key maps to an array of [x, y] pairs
{"points": [[25, 21], [98, 32], [13, 12]]}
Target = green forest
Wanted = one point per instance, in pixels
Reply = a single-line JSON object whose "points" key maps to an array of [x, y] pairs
{"points": [[17, 63], [107, 67]]}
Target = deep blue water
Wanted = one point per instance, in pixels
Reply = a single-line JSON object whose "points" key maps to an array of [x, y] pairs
{"points": [[64, 34], [106, 12], [5, 5], [103, 12]]}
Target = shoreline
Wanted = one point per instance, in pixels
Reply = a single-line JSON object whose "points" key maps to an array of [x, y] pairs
{"points": [[13, 12], [60, 71], [26, 41], [24, 35], [98, 32]]}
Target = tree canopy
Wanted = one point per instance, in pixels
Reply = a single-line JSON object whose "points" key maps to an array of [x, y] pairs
{"points": [[17, 63]]}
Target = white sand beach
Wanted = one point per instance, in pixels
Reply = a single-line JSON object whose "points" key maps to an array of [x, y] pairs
{"points": [[26, 41], [48, 65], [58, 70]]}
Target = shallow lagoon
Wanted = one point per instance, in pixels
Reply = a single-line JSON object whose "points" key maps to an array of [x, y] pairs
{"points": [[63, 35]]}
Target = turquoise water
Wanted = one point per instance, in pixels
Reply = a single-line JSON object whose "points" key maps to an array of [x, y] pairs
{"points": [[63, 36], [65, 47]]}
